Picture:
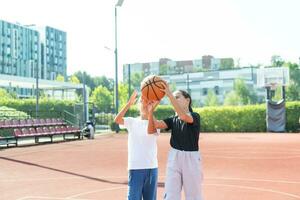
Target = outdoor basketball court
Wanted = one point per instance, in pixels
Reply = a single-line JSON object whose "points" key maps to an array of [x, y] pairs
{"points": [[235, 166]]}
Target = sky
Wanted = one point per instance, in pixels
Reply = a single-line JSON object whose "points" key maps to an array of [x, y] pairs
{"points": [[248, 31]]}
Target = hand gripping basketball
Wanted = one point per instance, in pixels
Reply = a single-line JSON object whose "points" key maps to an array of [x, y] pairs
{"points": [[152, 88]]}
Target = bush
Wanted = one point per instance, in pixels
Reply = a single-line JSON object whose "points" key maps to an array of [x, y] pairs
{"points": [[10, 113], [233, 118], [47, 108], [249, 118], [292, 116]]}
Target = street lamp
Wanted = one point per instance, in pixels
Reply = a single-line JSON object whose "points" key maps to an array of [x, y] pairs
{"points": [[118, 4]]}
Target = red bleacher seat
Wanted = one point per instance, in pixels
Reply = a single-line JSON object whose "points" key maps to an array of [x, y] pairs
{"points": [[36, 122], [8, 123], [25, 132], [46, 130], [60, 121], [73, 129], [55, 122], [43, 122], [54, 131], [64, 129], [32, 131], [17, 132], [2, 123], [40, 131], [48, 121], [23, 123], [16, 123], [29, 122]]}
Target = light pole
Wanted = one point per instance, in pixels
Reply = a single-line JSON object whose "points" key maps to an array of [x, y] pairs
{"points": [[129, 82], [188, 81], [118, 4]]}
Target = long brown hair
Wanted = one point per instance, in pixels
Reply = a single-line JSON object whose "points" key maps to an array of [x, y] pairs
{"points": [[187, 96]]}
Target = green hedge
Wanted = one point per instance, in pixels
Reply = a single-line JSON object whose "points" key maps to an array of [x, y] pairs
{"points": [[292, 116], [47, 108], [250, 118], [233, 118], [11, 113]]}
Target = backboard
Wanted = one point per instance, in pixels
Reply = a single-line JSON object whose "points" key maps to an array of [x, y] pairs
{"points": [[273, 77]]}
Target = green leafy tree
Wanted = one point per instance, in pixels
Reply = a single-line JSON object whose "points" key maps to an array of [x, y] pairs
{"points": [[60, 78], [74, 79], [227, 63], [123, 94], [163, 69], [102, 98], [88, 79], [232, 98], [293, 90], [246, 94], [211, 99], [136, 79], [277, 61], [104, 81], [292, 93], [5, 95]]}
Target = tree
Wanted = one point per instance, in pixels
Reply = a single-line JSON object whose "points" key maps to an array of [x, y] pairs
{"points": [[211, 99], [105, 82], [293, 90], [60, 78], [123, 94], [277, 61], [227, 63], [88, 79], [163, 69], [74, 79], [102, 98], [136, 79], [232, 98], [292, 93], [247, 95], [4, 94]]}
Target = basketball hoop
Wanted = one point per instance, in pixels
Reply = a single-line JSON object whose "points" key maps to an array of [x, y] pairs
{"points": [[272, 77]]}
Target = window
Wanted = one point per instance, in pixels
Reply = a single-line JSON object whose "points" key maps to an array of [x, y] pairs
{"points": [[204, 91], [217, 92]]}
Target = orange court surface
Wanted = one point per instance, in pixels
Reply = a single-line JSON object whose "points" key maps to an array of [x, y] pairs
{"points": [[237, 166]]}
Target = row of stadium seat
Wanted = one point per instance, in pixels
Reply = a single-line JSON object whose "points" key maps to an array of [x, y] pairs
{"points": [[46, 132], [15, 123]]}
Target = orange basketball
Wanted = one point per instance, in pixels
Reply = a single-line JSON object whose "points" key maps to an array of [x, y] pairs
{"points": [[151, 88]]}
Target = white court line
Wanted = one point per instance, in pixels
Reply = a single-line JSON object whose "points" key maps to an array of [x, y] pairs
{"points": [[253, 158], [257, 189], [94, 191], [255, 152], [44, 197], [251, 148], [253, 180]]}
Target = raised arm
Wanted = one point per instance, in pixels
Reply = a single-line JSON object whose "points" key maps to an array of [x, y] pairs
{"points": [[119, 119], [180, 112], [151, 120], [154, 124]]}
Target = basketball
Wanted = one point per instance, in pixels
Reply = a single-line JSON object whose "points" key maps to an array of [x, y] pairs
{"points": [[151, 88]]}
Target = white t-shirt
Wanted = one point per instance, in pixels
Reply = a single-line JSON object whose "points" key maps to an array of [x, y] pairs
{"points": [[142, 147]]}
